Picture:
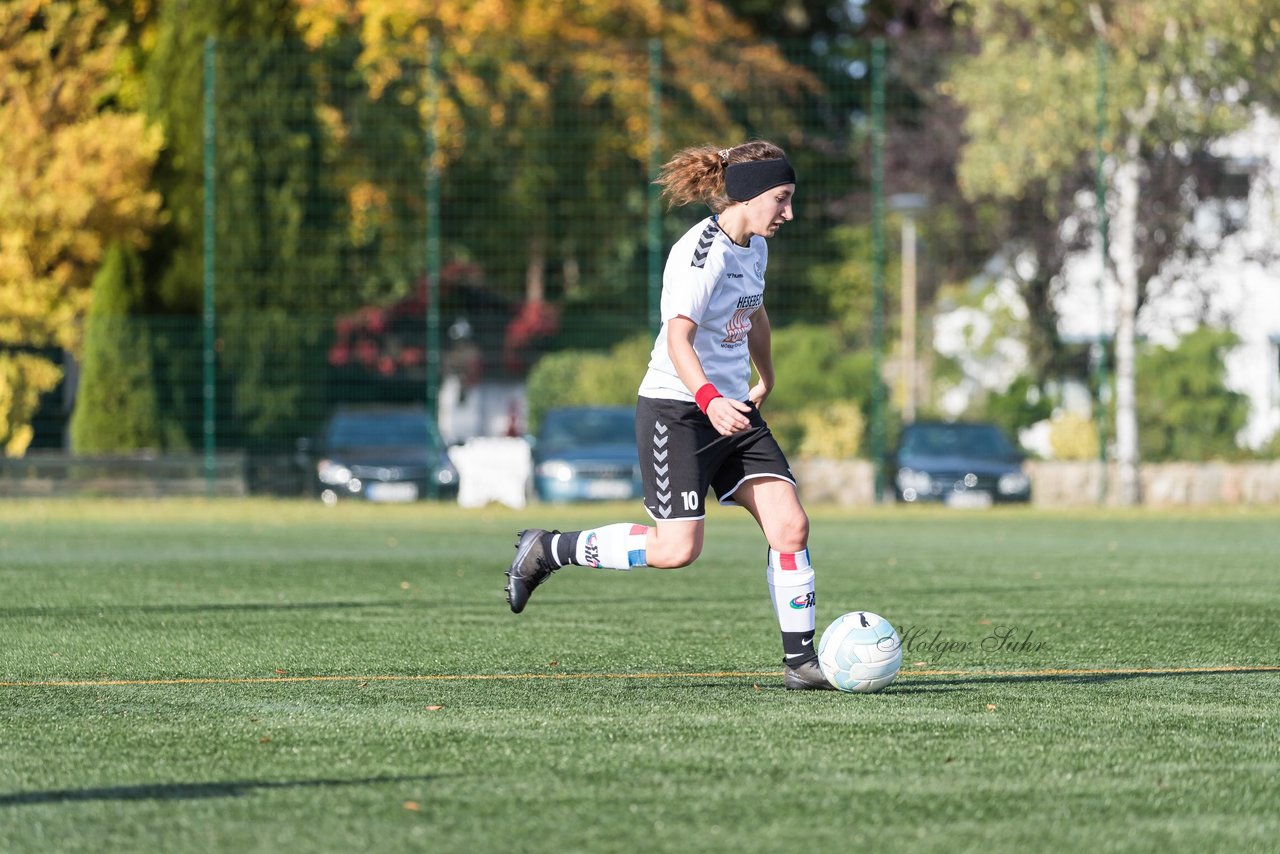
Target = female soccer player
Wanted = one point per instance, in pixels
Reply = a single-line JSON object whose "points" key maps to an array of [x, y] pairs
{"points": [[698, 422]]}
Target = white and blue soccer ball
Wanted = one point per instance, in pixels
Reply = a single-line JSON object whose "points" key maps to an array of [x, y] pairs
{"points": [[860, 652]]}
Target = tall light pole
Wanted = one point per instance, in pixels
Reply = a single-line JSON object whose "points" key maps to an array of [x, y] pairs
{"points": [[909, 205], [877, 264]]}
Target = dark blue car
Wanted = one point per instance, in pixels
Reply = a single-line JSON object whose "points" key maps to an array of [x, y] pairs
{"points": [[379, 453], [587, 453], [971, 464]]}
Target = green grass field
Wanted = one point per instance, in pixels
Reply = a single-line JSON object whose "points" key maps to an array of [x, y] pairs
{"points": [[276, 676]]}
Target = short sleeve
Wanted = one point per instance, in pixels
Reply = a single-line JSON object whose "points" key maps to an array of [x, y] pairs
{"points": [[688, 292]]}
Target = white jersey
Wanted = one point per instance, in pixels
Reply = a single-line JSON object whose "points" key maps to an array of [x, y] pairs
{"points": [[718, 285]]}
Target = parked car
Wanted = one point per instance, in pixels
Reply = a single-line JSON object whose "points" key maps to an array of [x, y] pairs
{"points": [[971, 464], [379, 453], [587, 453]]}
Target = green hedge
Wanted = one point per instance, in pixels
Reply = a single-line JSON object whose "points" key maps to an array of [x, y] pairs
{"points": [[820, 378]]}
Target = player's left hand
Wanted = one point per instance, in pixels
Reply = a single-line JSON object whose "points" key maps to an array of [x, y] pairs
{"points": [[758, 393]]}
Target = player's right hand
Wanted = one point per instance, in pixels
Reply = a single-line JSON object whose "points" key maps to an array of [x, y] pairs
{"points": [[728, 416]]}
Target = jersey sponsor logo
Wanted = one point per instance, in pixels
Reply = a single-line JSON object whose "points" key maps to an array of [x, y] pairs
{"points": [[735, 331], [804, 600], [750, 300]]}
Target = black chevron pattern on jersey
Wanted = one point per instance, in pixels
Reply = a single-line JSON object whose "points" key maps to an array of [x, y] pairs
{"points": [[705, 240]]}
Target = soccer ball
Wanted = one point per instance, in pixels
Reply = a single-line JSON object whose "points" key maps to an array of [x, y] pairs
{"points": [[860, 652]]}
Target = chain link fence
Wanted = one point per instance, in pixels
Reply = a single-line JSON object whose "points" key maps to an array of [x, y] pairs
{"points": [[325, 280], [426, 230]]}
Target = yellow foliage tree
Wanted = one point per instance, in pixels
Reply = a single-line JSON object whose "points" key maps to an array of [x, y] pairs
{"points": [[601, 42], [23, 377], [504, 67], [74, 178]]}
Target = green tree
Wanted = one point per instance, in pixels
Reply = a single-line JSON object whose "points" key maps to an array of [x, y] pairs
{"points": [[1019, 406], [1186, 411], [116, 401], [1179, 76], [846, 278], [815, 365], [278, 226]]}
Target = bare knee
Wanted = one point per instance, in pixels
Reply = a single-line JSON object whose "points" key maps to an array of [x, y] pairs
{"points": [[673, 556], [669, 549], [790, 534]]}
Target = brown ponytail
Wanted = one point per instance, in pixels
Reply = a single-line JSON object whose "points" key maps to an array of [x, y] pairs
{"points": [[696, 174]]}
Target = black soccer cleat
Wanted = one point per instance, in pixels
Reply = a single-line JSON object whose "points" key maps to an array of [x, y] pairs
{"points": [[806, 676], [530, 567]]}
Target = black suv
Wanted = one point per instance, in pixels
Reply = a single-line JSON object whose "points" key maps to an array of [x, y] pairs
{"points": [[971, 464], [379, 453]]}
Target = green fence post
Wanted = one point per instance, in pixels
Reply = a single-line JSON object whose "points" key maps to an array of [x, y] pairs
{"points": [[210, 208], [877, 266], [433, 246], [655, 209]]}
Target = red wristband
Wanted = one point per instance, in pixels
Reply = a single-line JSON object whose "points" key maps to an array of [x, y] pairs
{"points": [[705, 395]]}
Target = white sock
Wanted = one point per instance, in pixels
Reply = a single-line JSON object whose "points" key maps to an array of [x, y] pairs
{"points": [[791, 587], [619, 546]]}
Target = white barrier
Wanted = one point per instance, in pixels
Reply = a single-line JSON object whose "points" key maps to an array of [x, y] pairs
{"points": [[493, 469]]}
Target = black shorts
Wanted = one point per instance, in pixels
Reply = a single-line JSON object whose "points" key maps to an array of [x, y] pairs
{"points": [[681, 455]]}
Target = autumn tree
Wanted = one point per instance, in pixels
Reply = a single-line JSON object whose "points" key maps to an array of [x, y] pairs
{"points": [[1178, 77], [75, 175], [542, 116], [277, 233], [923, 140]]}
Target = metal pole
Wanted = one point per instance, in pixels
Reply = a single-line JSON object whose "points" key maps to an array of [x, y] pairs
{"points": [[209, 316], [1104, 241], [654, 199], [877, 266], [908, 318], [433, 247]]}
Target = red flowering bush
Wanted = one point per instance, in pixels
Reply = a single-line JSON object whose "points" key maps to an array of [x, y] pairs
{"points": [[534, 322], [389, 341]]}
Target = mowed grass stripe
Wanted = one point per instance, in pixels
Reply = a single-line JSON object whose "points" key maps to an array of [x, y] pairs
{"points": [[720, 674]]}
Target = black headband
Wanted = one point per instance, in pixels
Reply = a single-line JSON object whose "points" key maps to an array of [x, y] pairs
{"points": [[746, 180]]}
